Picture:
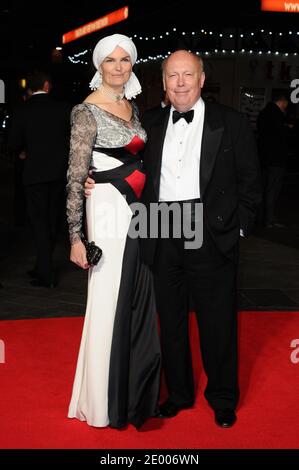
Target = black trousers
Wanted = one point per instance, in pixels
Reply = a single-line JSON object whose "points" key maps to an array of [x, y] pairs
{"points": [[45, 202], [274, 176], [20, 210], [210, 278]]}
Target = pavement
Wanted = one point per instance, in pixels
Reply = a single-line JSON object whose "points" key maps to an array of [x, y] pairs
{"points": [[268, 274]]}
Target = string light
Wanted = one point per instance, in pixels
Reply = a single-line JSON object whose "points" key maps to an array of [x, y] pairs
{"points": [[212, 33], [215, 53], [79, 58]]}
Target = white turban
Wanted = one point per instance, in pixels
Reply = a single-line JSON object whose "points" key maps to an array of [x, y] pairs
{"points": [[103, 48]]}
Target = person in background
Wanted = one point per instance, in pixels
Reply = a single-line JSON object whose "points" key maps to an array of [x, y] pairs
{"points": [[40, 129], [20, 206], [273, 143]]}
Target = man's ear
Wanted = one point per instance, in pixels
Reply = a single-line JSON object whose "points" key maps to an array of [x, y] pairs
{"points": [[202, 79], [164, 86]]}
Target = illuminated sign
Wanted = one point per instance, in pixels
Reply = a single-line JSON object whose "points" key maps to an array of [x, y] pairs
{"points": [[2, 100], [280, 5], [100, 23]]}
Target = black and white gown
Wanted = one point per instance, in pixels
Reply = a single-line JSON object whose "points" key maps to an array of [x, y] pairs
{"points": [[118, 368]]}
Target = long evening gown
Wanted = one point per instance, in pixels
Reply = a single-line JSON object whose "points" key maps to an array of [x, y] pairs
{"points": [[118, 368]]}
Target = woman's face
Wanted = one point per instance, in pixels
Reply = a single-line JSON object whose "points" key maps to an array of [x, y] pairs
{"points": [[116, 68]]}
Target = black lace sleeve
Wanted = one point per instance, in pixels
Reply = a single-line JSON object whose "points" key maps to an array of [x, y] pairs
{"points": [[83, 134]]}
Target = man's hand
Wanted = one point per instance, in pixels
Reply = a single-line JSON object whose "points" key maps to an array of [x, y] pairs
{"points": [[88, 185]]}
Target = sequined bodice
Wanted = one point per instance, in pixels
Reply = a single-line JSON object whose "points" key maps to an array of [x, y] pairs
{"points": [[92, 128]]}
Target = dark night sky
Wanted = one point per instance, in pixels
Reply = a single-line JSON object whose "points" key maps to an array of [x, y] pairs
{"points": [[30, 29]]}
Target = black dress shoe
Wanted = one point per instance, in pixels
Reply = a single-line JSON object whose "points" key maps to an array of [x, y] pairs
{"points": [[225, 418], [169, 409], [119, 426], [40, 283]]}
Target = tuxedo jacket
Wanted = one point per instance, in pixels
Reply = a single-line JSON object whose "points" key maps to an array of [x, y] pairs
{"points": [[230, 182], [41, 127]]}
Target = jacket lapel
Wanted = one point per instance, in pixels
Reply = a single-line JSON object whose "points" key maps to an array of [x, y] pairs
{"points": [[158, 135], [211, 139]]}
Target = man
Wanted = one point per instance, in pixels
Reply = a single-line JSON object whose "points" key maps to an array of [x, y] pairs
{"points": [[213, 158], [196, 152], [273, 140], [40, 128]]}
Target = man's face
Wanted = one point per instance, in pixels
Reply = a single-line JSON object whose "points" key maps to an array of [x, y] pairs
{"points": [[284, 105], [183, 80]]}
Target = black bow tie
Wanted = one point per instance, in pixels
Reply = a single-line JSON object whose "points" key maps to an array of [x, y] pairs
{"points": [[188, 116]]}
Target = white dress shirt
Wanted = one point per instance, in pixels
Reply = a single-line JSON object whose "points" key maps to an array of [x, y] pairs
{"points": [[181, 157]]}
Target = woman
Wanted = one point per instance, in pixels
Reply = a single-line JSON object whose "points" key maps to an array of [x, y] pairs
{"points": [[117, 376]]}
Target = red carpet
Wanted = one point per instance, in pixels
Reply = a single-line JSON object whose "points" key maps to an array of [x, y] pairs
{"points": [[37, 376]]}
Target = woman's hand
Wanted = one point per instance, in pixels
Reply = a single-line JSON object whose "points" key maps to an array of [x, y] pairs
{"points": [[88, 185], [78, 255]]}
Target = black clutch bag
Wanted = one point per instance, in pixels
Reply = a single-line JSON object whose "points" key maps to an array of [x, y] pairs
{"points": [[93, 252]]}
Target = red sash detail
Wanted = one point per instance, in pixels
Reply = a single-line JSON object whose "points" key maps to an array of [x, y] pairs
{"points": [[135, 145], [136, 180]]}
